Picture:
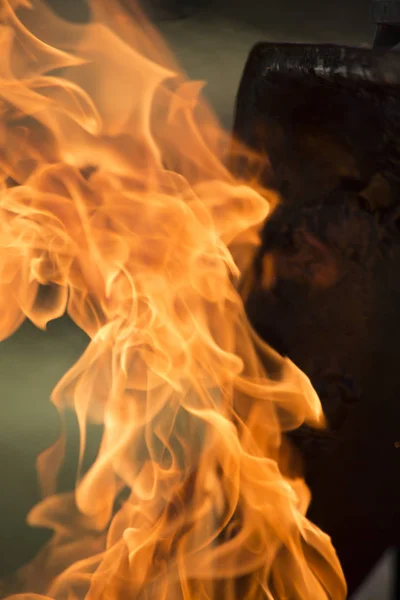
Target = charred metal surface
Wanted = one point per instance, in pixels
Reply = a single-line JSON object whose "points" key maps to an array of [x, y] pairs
{"points": [[326, 286]]}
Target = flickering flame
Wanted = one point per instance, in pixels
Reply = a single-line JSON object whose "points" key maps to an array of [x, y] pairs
{"points": [[193, 494]]}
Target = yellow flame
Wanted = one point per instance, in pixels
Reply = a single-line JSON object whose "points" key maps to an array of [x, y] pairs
{"points": [[190, 496]]}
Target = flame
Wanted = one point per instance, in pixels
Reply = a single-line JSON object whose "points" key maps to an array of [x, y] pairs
{"points": [[117, 207]]}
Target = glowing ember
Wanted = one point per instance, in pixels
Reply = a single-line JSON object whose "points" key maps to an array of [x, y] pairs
{"points": [[192, 495]]}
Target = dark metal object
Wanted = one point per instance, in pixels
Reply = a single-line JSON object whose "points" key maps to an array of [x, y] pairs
{"points": [[328, 118], [386, 13], [387, 36]]}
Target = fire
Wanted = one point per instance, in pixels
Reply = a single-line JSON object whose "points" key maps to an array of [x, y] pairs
{"points": [[117, 207]]}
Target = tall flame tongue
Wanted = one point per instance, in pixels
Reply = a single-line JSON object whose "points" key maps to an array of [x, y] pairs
{"points": [[191, 495]]}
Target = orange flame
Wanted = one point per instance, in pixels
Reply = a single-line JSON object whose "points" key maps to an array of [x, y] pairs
{"points": [[192, 495]]}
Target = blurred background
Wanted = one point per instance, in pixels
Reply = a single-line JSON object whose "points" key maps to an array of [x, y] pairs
{"points": [[212, 44]]}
